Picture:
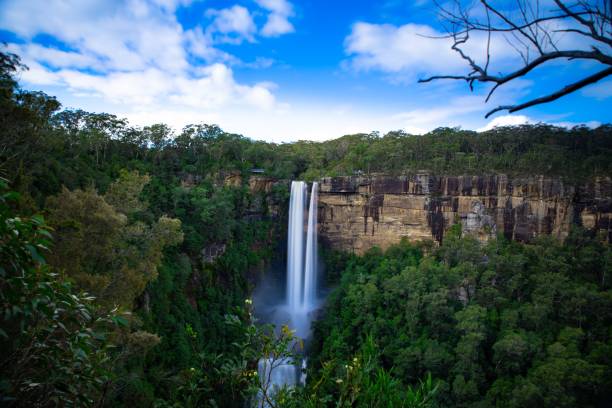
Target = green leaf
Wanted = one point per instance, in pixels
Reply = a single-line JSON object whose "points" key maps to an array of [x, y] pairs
{"points": [[120, 320], [38, 219], [35, 255], [45, 233], [80, 353], [11, 196]]}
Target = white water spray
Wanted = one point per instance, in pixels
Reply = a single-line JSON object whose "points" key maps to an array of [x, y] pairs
{"points": [[301, 296]]}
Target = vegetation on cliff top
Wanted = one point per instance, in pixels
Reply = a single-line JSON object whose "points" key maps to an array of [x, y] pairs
{"points": [[45, 148]]}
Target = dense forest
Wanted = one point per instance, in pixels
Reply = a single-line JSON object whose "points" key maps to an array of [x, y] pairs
{"points": [[504, 324], [108, 298]]}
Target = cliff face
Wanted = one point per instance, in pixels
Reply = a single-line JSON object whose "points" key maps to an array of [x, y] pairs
{"points": [[264, 200], [356, 213]]}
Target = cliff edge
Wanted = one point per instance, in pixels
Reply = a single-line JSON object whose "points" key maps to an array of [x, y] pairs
{"points": [[358, 212]]}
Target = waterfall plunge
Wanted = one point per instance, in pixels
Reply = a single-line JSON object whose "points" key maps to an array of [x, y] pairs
{"points": [[302, 262], [295, 246], [310, 267], [302, 269]]}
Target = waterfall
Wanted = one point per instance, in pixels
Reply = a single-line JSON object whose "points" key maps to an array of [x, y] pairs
{"points": [[310, 267], [301, 296], [295, 246], [302, 264], [275, 374]]}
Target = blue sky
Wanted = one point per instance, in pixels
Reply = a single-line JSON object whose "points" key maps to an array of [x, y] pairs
{"points": [[275, 70]]}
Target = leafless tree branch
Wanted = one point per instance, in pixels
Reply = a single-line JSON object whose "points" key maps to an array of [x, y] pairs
{"points": [[556, 95], [531, 31]]}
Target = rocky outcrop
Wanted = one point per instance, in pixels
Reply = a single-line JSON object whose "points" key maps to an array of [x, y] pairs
{"points": [[265, 202], [261, 184], [211, 252], [356, 213]]}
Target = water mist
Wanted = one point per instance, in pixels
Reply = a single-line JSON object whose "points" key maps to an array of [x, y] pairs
{"points": [[301, 289]]}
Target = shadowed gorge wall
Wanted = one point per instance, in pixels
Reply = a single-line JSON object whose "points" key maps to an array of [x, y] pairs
{"points": [[356, 213]]}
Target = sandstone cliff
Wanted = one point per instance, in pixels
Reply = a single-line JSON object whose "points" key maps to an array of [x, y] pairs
{"points": [[356, 213]]}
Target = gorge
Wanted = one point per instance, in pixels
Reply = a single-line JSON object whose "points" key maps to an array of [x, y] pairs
{"points": [[300, 299], [182, 230], [356, 213], [147, 264]]}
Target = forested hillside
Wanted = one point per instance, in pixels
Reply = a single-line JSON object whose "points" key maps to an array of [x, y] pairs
{"points": [[124, 216], [106, 298], [503, 324]]}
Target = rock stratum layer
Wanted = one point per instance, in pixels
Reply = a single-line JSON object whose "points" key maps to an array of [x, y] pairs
{"points": [[357, 213]]}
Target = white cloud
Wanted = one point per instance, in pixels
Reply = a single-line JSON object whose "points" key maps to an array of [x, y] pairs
{"points": [[235, 20], [134, 34], [414, 50], [260, 63], [37, 74], [276, 25], [389, 48], [217, 88], [411, 49], [212, 88], [55, 57], [590, 124], [455, 111], [173, 4], [515, 120], [277, 22], [599, 91], [200, 44], [282, 7], [134, 56], [141, 87], [121, 36], [506, 120]]}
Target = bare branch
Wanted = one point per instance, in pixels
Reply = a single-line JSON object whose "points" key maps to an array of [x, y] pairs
{"points": [[588, 23], [556, 95], [510, 23], [433, 78], [527, 32], [484, 77], [488, 41]]}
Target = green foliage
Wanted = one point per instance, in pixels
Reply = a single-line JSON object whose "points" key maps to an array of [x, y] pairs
{"points": [[124, 193], [75, 148], [207, 213], [362, 382], [55, 349], [522, 150], [103, 247], [87, 237], [504, 324], [188, 307], [136, 212]]}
